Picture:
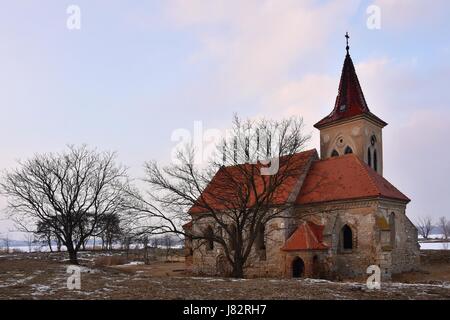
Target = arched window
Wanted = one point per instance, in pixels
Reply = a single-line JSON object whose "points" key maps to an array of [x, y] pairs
{"points": [[392, 228], [260, 240], [369, 157], [269, 145], [235, 145], [209, 235], [233, 234], [247, 149], [375, 160], [347, 238], [348, 150], [335, 153]]}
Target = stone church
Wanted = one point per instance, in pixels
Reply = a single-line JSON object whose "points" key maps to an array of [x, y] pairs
{"points": [[358, 218]]}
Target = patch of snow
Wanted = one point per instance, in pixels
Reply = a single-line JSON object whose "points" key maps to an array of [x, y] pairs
{"points": [[16, 282], [444, 285], [40, 288], [213, 280], [239, 280], [133, 263]]}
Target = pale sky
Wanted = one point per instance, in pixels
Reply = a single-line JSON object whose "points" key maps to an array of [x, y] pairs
{"points": [[135, 72]]}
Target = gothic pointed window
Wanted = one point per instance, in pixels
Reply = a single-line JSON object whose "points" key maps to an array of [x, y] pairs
{"points": [[261, 243], [209, 235], [335, 153], [392, 228], [260, 240], [269, 145], [369, 157], [348, 150], [233, 235], [346, 238], [235, 144], [247, 149], [375, 160]]}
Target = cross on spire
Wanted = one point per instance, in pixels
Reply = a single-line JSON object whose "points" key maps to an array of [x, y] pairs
{"points": [[348, 37]]}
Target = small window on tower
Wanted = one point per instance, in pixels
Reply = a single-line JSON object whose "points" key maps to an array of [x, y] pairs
{"points": [[335, 153], [373, 140], [375, 160], [348, 150]]}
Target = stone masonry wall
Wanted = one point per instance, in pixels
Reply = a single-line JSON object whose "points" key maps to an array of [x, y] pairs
{"points": [[372, 243]]}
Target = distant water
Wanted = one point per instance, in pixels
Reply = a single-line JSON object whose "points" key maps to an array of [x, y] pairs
{"points": [[435, 245], [35, 248]]}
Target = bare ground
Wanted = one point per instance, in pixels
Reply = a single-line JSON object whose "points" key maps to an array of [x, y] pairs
{"points": [[43, 276]]}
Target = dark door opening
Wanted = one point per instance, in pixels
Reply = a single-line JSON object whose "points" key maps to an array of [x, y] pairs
{"points": [[298, 267]]}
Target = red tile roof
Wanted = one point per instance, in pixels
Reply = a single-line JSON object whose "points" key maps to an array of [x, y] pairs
{"points": [[350, 101], [308, 236], [187, 226], [223, 191], [344, 178]]}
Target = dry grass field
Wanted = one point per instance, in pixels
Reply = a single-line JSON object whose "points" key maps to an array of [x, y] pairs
{"points": [[43, 276]]}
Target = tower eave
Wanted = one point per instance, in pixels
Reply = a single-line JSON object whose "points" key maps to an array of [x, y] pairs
{"points": [[326, 122]]}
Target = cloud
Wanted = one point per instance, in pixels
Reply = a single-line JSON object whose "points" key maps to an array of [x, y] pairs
{"points": [[402, 14], [311, 97], [253, 44], [416, 159]]}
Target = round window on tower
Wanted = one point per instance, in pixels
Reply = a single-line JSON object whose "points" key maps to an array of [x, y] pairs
{"points": [[340, 141]]}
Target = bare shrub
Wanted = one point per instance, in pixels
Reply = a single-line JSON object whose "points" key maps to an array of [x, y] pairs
{"points": [[105, 261]]}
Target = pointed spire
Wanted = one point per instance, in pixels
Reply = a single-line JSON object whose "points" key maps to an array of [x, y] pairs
{"points": [[350, 100]]}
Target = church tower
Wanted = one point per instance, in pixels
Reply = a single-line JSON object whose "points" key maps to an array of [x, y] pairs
{"points": [[351, 127]]}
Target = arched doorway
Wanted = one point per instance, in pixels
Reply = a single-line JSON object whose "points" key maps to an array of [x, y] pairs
{"points": [[298, 267]]}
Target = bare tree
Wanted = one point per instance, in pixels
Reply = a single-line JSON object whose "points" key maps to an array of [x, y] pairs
{"points": [[154, 242], [44, 234], [29, 237], [69, 193], [167, 240], [234, 196], [111, 230], [424, 226], [444, 225], [126, 243], [6, 243], [145, 241]]}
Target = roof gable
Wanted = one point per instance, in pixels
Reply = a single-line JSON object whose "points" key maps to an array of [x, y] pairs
{"points": [[308, 236]]}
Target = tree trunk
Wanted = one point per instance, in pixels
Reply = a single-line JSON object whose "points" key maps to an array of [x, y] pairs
{"points": [[72, 253], [49, 243], [238, 267], [238, 271]]}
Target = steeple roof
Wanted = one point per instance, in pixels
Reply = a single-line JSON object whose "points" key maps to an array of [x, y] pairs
{"points": [[350, 101]]}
